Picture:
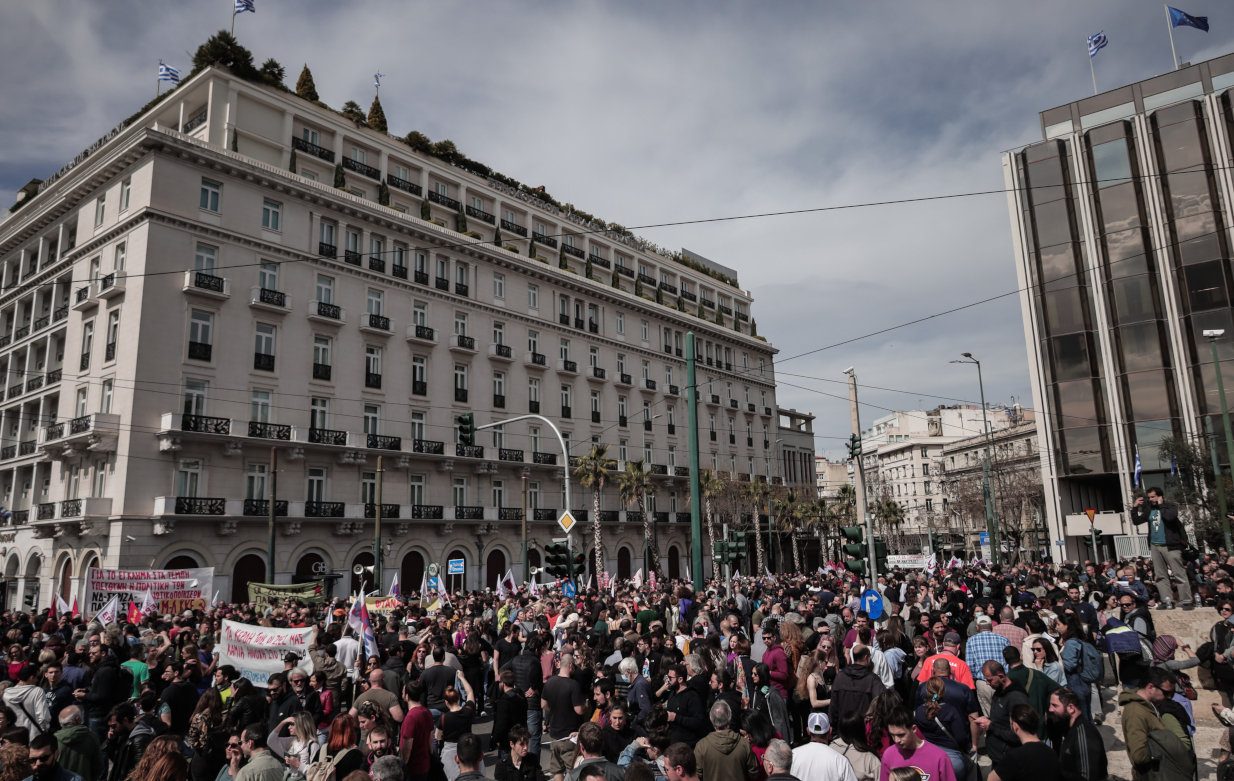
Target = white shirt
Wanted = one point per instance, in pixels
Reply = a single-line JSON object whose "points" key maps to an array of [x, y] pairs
{"points": [[822, 762], [348, 649], [881, 667]]}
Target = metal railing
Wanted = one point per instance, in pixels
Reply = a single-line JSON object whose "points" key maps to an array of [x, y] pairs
{"points": [[514, 228], [543, 514], [480, 214], [325, 436], [324, 509], [425, 332], [545, 459], [444, 200], [361, 168], [263, 362], [372, 380], [427, 512], [269, 431], [387, 510], [428, 447], [462, 513], [403, 184], [261, 507], [383, 442], [208, 282], [193, 505], [272, 297], [508, 454], [469, 451], [305, 146], [327, 250], [321, 371]]}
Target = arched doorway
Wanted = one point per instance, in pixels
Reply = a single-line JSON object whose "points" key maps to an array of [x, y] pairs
{"points": [[249, 569], [183, 561], [365, 580], [311, 566], [455, 582], [623, 563], [494, 568], [66, 580], [674, 564], [411, 573]]}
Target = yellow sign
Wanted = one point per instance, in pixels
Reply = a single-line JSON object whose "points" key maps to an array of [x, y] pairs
{"points": [[566, 521]]}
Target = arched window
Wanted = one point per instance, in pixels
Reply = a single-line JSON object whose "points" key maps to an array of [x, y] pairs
{"points": [[182, 561], [495, 567], [310, 567], [674, 563], [249, 569], [411, 574], [455, 582], [66, 580], [623, 563]]}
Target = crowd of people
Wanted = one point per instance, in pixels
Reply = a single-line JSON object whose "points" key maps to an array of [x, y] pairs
{"points": [[783, 678]]}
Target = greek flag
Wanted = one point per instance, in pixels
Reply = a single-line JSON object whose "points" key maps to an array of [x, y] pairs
{"points": [[1096, 43], [1183, 19], [377, 77], [1138, 471], [244, 5], [168, 73]]}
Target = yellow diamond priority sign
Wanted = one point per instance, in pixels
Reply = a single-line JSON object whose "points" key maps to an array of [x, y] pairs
{"points": [[566, 521]]}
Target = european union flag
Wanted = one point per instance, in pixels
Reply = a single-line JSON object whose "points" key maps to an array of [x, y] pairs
{"points": [[1183, 19]]}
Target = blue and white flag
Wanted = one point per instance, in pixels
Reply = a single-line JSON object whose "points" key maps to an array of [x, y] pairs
{"points": [[168, 73], [1096, 43], [4, 513], [1183, 19], [1138, 471], [244, 5], [377, 77]]}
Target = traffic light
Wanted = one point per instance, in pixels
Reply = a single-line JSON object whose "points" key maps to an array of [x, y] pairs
{"points": [[856, 548], [466, 429], [728, 551], [854, 446], [557, 558], [880, 555], [578, 564]]}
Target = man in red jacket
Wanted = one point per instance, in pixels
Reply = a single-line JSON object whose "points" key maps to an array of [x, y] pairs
{"points": [[776, 661]]}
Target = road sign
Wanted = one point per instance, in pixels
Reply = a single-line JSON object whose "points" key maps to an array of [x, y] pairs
{"points": [[454, 567], [985, 538], [566, 521], [432, 582], [568, 590], [1060, 543], [433, 569], [872, 603]]}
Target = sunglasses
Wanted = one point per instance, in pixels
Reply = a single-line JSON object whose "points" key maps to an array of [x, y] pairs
{"points": [[41, 759]]}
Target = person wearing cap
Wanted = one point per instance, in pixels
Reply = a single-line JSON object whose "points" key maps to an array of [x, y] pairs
{"points": [[959, 670], [816, 759], [724, 755], [983, 647]]}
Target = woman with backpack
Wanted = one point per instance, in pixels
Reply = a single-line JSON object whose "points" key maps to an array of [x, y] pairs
{"points": [[1082, 662]]}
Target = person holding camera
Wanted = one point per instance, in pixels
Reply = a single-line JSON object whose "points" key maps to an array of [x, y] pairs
{"points": [[1167, 541]]}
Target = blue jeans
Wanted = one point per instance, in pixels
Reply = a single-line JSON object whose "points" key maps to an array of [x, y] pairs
{"points": [[959, 763], [534, 718], [1084, 692], [99, 727]]}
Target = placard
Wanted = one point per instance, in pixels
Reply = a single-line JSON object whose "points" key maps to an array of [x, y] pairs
{"points": [[381, 606], [175, 590], [257, 652], [271, 595], [907, 562]]}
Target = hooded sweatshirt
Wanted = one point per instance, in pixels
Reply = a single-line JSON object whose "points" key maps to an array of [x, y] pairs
{"points": [[1139, 718], [30, 704], [725, 756], [80, 751]]}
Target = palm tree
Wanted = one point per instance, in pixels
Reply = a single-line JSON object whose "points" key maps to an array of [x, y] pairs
{"points": [[818, 520], [791, 511], [890, 515], [846, 499], [756, 494], [633, 486], [711, 485], [592, 472]]}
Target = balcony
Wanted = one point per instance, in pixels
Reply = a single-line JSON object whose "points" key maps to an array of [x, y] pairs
{"points": [[200, 351], [403, 184], [766, 444], [259, 430], [376, 264], [419, 388], [732, 439], [361, 168], [194, 505], [460, 395], [648, 384], [544, 459], [469, 451], [372, 380], [567, 366], [445, 201], [766, 412], [499, 401], [330, 314], [563, 318], [462, 513], [260, 508], [660, 516], [515, 228], [777, 481], [595, 416], [714, 399], [749, 441], [750, 407], [673, 390], [34, 383], [87, 507], [375, 324], [593, 326], [726, 310], [598, 373], [623, 421], [544, 514], [199, 424], [536, 359], [428, 447], [387, 510], [565, 412], [196, 122], [325, 436], [667, 288], [427, 512], [60, 314], [647, 280], [21, 333], [112, 285], [206, 285], [322, 371], [352, 257], [574, 251], [708, 303], [465, 344], [646, 425], [533, 407], [421, 333], [269, 300], [441, 283], [743, 317], [53, 376], [420, 277], [671, 427], [263, 362], [681, 471], [398, 272], [509, 514], [42, 323], [507, 454], [713, 436], [324, 510], [16, 390], [382, 442], [461, 290], [540, 238], [20, 517], [501, 351], [596, 260], [578, 322], [85, 297], [482, 215], [732, 403], [623, 271], [624, 379], [327, 250], [687, 295], [682, 517], [309, 148], [27, 448]]}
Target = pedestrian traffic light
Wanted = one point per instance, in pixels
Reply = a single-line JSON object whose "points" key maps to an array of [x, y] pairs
{"points": [[556, 559], [854, 446], [856, 548], [466, 429]]}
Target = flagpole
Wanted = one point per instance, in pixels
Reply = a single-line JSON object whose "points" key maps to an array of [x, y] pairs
{"points": [[1093, 71], [158, 83], [1169, 24]]}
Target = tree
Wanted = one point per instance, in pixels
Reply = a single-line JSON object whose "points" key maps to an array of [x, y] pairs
{"points": [[633, 486], [592, 472], [223, 49], [753, 327], [497, 236], [352, 111], [756, 494], [616, 280], [1192, 486], [447, 151], [340, 178], [659, 295], [790, 514], [638, 283], [291, 166], [719, 317], [710, 486], [1015, 484], [701, 315], [460, 221], [587, 269], [419, 142], [383, 194], [681, 303], [273, 72], [377, 117], [305, 87], [561, 259], [426, 212]]}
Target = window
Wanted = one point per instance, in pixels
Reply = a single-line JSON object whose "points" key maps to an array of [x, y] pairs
{"points": [[372, 360], [376, 248], [201, 327], [321, 350], [271, 214], [375, 300], [499, 492], [595, 401], [188, 478], [668, 375], [533, 434], [209, 196], [621, 322], [113, 329], [563, 305], [533, 390], [440, 188], [417, 428], [621, 363], [419, 372], [194, 397], [533, 297], [533, 496], [204, 258], [499, 286], [747, 391], [761, 368], [100, 479], [325, 289], [117, 262], [460, 273], [499, 333], [460, 483], [623, 450], [443, 269], [712, 421], [126, 192], [268, 275], [105, 403], [460, 323], [499, 438], [672, 459], [307, 174], [419, 314], [372, 419], [316, 485], [311, 136], [499, 383], [417, 489], [255, 481], [319, 413], [79, 409], [260, 407], [359, 155], [644, 322], [646, 370], [729, 389], [327, 234], [565, 349], [98, 210], [402, 173], [593, 357], [460, 376], [353, 242], [566, 393], [672, 416], [400, 259], [533, 341]]}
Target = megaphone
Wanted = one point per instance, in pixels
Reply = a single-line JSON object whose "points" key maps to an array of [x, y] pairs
{"points": [[360, 569], [536, 570]]}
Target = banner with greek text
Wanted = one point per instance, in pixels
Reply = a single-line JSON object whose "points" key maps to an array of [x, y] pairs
{"points": [[173, 590], [269, 595], [381, 606], [257, 652], [908, 562]]}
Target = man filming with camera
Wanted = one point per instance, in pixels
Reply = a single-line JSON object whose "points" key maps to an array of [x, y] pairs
{"points": [[1167, 541]]}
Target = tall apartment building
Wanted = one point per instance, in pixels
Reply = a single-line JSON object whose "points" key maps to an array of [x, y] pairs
{"points": [[1120, 218], [179, 306]]}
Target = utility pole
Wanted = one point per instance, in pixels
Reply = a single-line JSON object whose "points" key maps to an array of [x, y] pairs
{"points": [[378, 582], [696, 521], [859, 478], [526, 565], [271, 492], [991, 516]]}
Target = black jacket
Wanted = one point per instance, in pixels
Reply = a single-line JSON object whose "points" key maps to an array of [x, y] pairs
{"points": [[312, 704], [1000, 738], [125, 754], [1175, 537], [690, 722], [107, 688], [528, 674], [58, 699], [615, 742], [855, 688], [528, 771], [247, 710], [1082, 753], [281, 709], [508, 709]]}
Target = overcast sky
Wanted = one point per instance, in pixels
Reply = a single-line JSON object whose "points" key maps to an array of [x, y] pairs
{"points": [[651, 112]]}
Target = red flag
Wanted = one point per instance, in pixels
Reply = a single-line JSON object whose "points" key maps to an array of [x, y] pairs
{"points": [[134, 616], [76, 612]]}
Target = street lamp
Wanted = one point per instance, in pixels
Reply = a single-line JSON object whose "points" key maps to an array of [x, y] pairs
{"points": [[771, 513], [646, 548], [1229, 435], [991, 520]]}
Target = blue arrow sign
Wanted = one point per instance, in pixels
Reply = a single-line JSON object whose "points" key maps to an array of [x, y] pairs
{"points": [[568, 590], [872, 603]]}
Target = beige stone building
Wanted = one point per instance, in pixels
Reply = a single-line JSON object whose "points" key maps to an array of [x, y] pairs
{"points": [[179, 306]]}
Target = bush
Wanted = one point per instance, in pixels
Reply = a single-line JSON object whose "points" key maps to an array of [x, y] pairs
{"points": [[305, 87], [376, 116], [223, 49], [460, 221], [352, 111], [426, 212], [340, 178], [292, 165], [383, 195], [419, 142], [273, 72]]}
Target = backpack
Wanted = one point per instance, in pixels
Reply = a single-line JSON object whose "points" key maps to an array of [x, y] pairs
{"points": [[1171, 759], [124, 682], [323, 770], [1092, 666]]}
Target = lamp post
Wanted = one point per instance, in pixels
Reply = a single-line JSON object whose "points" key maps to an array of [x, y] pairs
{"points": [[991, 520], [646, 545], [771, 512], [1225, 419]]}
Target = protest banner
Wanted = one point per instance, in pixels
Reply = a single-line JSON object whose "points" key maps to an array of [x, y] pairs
{"points": [[271, 595], [381, 606], [257, 652], [173, 590], [907, 562]]}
